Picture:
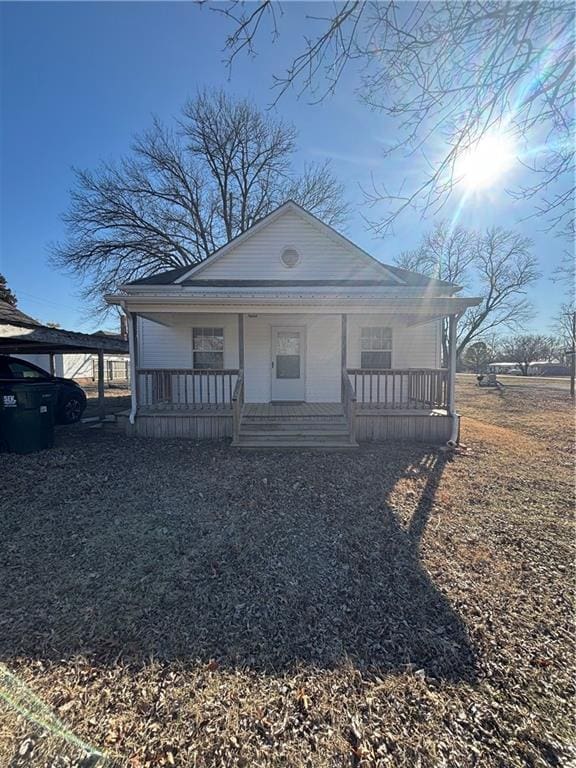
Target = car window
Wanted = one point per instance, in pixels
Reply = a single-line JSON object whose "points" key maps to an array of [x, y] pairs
{"points": [[22, 371]]}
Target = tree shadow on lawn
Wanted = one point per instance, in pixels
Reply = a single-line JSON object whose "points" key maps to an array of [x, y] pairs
{"points": [[262, 561]]}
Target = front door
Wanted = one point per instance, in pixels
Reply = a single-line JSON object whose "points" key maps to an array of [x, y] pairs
{"points": [[288, 355]]}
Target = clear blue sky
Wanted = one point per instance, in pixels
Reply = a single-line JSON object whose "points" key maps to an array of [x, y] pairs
{"points": [[79, 79]]}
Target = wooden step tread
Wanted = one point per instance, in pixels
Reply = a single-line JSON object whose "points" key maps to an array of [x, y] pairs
{"points": [[311, 445]]}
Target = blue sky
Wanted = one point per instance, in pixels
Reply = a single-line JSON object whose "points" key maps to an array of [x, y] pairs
{"points": [[79, 79]]}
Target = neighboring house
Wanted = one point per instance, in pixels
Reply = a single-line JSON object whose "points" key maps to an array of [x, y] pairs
{"points": [[548, 368], [83, 366], [291, 335]]}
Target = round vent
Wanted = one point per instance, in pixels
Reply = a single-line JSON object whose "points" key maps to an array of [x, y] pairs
{"points": [[290, 257]]}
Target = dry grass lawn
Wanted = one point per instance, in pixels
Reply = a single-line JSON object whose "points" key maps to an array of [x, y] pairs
{"points": [[168, 603]]}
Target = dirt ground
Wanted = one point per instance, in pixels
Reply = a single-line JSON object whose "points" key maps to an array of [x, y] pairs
{"points": [[175, 603]]}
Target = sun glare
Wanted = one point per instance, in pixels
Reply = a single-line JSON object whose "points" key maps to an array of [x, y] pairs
{"points": [[484, 164]]}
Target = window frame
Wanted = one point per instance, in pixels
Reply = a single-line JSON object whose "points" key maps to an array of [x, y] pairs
{"points": [[385, 347], [196, 350], [40, 373]]}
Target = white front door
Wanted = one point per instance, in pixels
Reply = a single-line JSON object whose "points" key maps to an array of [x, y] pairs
{"points": [[288, 355]]}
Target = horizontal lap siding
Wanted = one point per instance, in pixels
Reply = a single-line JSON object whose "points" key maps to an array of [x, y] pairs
{"points": [[321, 256], [323, 361], [163, 346], [416, 346]]}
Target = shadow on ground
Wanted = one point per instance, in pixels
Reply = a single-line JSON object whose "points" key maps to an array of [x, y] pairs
{"points": [[136, 549]]}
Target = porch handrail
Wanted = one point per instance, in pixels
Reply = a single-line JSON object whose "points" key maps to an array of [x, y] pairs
{"points": [[349, 404], [407, 388], [187, 386], [237, 403]]}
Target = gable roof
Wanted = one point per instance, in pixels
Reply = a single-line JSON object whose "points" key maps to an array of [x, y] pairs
{"points": [[378, 273]]}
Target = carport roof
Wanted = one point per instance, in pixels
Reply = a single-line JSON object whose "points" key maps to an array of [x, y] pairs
{"points": [[21, 333]]}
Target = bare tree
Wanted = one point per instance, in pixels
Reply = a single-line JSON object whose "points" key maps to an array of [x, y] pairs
{"points": [[443, 69], [497, 265], [526, 349], [186, 190], [477, 356]]}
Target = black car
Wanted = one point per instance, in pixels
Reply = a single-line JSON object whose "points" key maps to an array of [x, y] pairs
{"points": [[70, 400]]}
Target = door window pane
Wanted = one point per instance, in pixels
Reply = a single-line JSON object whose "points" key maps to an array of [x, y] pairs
{"points": [[288, 366], [287, 355], [287, 343]]}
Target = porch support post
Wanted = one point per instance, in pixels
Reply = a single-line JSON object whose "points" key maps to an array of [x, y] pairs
{"points": [[344, 348], [241, 341], [452, 323], [52, 368], [101, 404], [133, 351]]}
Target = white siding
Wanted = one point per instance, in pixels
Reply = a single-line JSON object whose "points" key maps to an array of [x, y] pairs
{"points": [[416, 346], [171, 346], [322, 257], [77, 366], [322, 361]]}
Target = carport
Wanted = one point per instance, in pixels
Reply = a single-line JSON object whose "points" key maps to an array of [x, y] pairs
{"points": [[21, 334]]}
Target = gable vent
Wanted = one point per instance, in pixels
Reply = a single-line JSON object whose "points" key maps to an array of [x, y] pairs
{"points": [[290, 257]]}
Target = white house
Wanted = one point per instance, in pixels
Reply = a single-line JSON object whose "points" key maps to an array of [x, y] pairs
{"points": [[83, 366], [291, 335]]}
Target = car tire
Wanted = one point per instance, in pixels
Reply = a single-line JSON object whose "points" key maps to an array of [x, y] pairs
{"points": [[72, 409]]}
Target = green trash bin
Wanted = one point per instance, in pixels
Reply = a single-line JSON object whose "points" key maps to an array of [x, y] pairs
{"points": [[26, 416]]}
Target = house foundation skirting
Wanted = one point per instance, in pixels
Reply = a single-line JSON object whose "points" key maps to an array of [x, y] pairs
{"points": [[371, 425], [193, 426], [425, 427]]}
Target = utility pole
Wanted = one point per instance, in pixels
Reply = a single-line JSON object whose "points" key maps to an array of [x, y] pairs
{"points": [[573, 358]]}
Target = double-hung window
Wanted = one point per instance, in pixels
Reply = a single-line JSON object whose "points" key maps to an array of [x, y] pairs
{"points": [[208, 349], [376, 348]]}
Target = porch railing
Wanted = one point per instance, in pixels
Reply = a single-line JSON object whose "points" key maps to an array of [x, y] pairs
{"points": [[400, 388], [186, 387], [349, 404], [237, 404]]}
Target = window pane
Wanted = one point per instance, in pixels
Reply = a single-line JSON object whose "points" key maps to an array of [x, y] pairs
{"points": [[207, 339], [376, 339], [376, 360], [204, 361], [22, 371], [287, 366]]}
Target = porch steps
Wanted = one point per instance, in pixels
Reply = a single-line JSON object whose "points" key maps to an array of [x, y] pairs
{"points": [[283, 431]]}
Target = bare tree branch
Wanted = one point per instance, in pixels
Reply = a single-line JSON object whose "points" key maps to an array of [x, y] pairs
{"points": [[497, 265], [447, 74], [185, 191]]}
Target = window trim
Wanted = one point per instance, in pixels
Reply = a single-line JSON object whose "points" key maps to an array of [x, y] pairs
{"points": [[386, 348], [216, 351]]}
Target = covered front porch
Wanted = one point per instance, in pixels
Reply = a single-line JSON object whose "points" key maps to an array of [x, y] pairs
{"points": [[310, 376]]}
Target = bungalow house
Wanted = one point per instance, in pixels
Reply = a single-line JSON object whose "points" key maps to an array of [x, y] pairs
{"points": [[291, 335]]}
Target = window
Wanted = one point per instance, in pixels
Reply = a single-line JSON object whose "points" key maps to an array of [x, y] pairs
{"points": [[208, 348], [376, 348], [22, 371]]}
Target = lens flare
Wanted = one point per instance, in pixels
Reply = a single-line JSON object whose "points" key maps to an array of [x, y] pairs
{"points": [[486, 162]]}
